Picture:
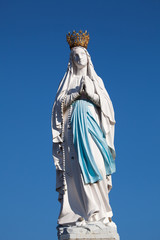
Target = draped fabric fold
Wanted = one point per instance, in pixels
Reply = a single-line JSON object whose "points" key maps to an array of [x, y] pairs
{"points": [[84, 124]]}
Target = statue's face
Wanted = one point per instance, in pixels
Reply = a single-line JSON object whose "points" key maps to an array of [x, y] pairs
{"points": [[79, 57]]}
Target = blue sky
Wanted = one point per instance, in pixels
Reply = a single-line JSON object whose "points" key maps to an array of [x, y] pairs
{"points": [[125, 50]]}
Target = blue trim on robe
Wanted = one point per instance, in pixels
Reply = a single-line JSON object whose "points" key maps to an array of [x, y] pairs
{"points": [[84, 124]]}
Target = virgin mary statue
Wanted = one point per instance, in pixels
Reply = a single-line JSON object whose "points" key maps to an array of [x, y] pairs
{"points": [[83, 140]]}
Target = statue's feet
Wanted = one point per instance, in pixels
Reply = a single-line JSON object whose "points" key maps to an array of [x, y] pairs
{"points": [[111, 224], [80, 222], [105, 220], [108, 222]]}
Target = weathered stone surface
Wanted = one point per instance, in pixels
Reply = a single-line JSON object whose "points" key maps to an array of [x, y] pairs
{"points": [[89, 232]]}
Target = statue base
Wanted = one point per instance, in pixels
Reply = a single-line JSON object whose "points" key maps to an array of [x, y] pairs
{"points": [[96, 230]]}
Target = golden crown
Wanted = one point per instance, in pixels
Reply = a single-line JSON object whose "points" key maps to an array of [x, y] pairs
{"points": [[78, 39]]}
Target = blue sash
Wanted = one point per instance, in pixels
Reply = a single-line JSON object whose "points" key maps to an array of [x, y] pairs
{"points": [[84, 124]]}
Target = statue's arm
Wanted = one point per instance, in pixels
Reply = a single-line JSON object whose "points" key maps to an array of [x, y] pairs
{"points": [[90, 92], [70, 98], [94, 98]]}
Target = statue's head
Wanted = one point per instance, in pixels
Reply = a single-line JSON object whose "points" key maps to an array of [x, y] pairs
{"points": [[79, 57]]}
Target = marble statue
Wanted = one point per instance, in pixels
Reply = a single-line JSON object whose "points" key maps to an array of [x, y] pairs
{"points": [[83, 141]]}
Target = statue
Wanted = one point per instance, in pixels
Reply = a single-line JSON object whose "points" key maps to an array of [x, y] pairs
{"points": [[83, 141]]}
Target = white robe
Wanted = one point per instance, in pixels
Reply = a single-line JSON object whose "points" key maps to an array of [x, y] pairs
{"points": [[89, 201]]}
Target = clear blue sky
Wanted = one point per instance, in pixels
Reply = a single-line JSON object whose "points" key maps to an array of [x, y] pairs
{"points": [[125, 50]]}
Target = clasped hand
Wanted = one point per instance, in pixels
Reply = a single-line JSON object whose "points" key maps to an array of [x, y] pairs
{"points": [[86, 86]]}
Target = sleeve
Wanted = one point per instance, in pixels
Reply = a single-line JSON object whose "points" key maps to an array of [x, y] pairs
{"points": [[70, 98], [95, 99]]}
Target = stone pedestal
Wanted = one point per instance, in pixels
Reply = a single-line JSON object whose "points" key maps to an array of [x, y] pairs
{"points": [[88, 232]]}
